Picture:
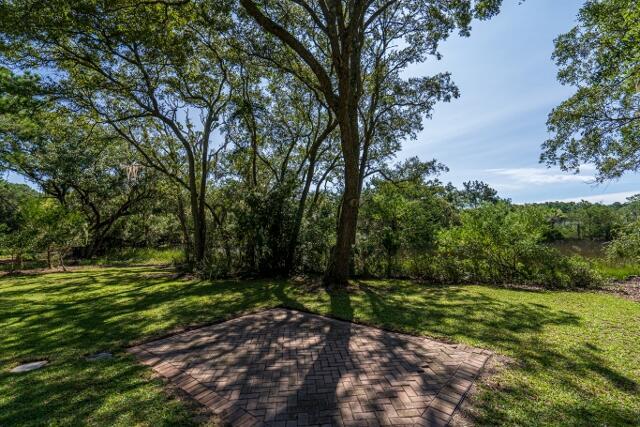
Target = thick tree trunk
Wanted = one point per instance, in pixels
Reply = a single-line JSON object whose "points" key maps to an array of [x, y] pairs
{"points": [[99, 233], [182, 217], [337, 273], [199, 225], [196, 199], [49, 265], [295, 232], [339, 268], [200, 236], [96, 243], [201, 231]]}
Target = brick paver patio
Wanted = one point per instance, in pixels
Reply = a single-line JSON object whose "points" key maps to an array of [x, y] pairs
{"points": [[288, 368]]}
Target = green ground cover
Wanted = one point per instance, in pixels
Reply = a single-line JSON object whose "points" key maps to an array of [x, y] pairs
{"points": [[576, 355], [117, 257], [593, 252], [130, 256]]}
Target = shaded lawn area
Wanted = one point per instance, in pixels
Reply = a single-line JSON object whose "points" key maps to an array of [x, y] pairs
{"points": [[577, 354]]}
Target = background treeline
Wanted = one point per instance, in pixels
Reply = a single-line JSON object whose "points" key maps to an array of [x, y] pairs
{"points": [[414, 227]]}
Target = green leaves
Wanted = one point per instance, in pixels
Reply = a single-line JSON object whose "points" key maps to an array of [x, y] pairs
{"points": [[600, 123], [17, 92], [501, 243], [626, 245]]}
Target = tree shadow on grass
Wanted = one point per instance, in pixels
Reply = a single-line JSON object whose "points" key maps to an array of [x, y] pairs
{"points": [[516, 329], [452, 311], [82, 393], [84, 312], [89, 314], [78, 314]]}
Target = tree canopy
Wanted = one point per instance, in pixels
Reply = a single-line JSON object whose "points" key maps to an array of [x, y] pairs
{"points": [[352, 53], [600, 123]]}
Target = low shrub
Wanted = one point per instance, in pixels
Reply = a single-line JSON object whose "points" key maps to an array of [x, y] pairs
{"points": [[502, 244], [626, 245]]}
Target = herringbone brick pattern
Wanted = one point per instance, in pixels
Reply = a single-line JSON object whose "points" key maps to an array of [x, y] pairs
{"points": [[288, 368]]}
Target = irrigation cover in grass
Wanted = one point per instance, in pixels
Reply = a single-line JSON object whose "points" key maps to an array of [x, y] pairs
{"points": [[31, 366], [103, 355]]}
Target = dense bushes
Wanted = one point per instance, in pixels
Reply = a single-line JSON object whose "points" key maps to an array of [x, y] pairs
{"points": [[626, 245], [412, 228], [496, 243], [397, 222], [501, 243], [421, 230]]}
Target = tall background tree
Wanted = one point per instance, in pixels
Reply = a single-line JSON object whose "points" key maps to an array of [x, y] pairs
{"points": [[155, 72], [474, 193], [283, 152], [83, 165]]}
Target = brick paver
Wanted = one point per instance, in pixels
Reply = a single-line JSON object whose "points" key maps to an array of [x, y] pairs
{"points": [[288, 368]]}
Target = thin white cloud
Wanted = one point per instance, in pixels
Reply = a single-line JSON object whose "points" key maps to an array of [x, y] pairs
{"points": [[504, 187], [538, 176], [453, 123], [601, 198], [588, 167]]}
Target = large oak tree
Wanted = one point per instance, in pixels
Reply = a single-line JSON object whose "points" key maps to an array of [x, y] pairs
{"points": [[348, 48], [82, 165]]}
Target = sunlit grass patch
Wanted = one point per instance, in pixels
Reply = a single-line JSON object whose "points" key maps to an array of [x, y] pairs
{"points": [[130, 256]]}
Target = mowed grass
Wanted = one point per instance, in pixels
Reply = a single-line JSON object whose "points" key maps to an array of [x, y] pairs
{"points": [[119, 257], [139, 256], [576, 355]]}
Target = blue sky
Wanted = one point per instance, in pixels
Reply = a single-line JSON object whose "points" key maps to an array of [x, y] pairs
{"points": [[508, 85]]}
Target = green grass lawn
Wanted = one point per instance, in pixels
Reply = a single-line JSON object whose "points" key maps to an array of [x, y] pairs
{"points": [[576, 354], [138, 256], [119, 257]]}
